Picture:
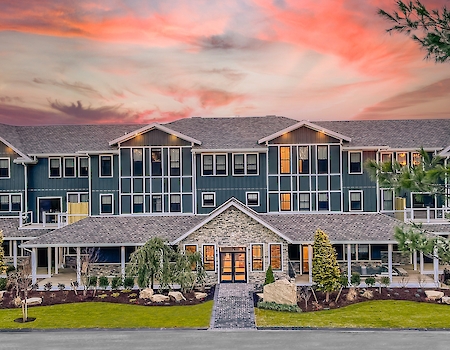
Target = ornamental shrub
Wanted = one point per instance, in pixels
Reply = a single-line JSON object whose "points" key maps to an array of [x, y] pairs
{"points": [[3, 283], [370, 281], [92, 281], [116, 282], [269, 276], [128, 282], [355, 280], [270, 305], [103, 282]]}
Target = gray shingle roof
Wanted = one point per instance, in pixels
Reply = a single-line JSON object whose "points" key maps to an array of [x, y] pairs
{"points": [[10, 228], [437, 228]]}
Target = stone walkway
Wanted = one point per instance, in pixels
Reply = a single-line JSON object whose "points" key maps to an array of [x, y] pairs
{"points": [[233, 307]]}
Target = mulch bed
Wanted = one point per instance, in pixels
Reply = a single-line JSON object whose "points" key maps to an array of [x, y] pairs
{"points": [[119, 296]]}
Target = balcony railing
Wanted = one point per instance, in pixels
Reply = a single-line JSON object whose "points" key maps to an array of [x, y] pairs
{"points": [[427, 214], [49, 219]]}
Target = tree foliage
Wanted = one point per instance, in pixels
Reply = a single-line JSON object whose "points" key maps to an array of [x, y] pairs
{"points": [[269, 276], [413, 17], [325, 269], [2, 253]]}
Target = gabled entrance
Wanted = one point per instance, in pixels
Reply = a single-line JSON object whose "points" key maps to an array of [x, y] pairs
{"points": [[233, 265]]}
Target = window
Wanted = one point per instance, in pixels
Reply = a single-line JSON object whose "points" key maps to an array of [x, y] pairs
{"points": [[285, 160], [72, 197], [355, 162], [416, 159], [157, 203], [156, 162], [69, 167], [191, 248], [355, 201], [174, 156], [54, 167], [214, 164], [4, 168], [208, 166], [402, 158], [106, 204], [245, 164], [138, 204], [252, 199], [238, 164], [221, 164], [386, 159], [275, 257], [138, 164], [83, 167], [10, 202], [322, 159], [285, 201], [257, 257], [208, 199], [106, 166], [303, 160], [304, 204], [175, 203], [209, 262], [387, 200], [363, 252], [323, 201]]}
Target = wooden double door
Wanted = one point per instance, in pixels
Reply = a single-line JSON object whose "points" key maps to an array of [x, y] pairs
{"points": [[233, 265]]}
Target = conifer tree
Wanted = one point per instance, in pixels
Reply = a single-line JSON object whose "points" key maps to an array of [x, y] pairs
{"points": [[325, 269]]}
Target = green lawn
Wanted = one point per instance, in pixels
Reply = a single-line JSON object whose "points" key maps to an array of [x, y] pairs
{"points": [[110, 315], [369, 314]]}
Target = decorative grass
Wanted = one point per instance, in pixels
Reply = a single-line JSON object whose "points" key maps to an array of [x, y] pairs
{"points": [[110, 315], [369, 314]]}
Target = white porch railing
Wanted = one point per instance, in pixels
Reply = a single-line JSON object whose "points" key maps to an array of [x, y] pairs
{"points": [[427, 214]]}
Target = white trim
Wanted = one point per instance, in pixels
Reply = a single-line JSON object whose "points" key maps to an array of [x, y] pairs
{"points": [[74, 167], [215, 257], [360, 163], [79, 167], [308, 125], [262, 257], [46, 197], [350, 200], [150, 127], [246, 198], [203, 199], [49, 167], [112, 203], [281, 256], [9, 168], [100, 165]]}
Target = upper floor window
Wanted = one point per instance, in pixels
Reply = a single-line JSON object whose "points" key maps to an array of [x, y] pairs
{"points": [[402, 158], [252, 199], [355, 201], [416, 158], [10, 202], [323, 201], [156, 162], [138, 204], [387, 200], [138, 163], [245, 164], [156, 203], [106, 166], [322, 159], [285, 201], [355, 162], [106, 204], [214, 164], [4, 168], [303, 159], [386, 159], [285, 160], [54, 167], [69, 167], [83, 167], [304, 202], [77, 197], [174, 157], [175, 203], [208, 199]]}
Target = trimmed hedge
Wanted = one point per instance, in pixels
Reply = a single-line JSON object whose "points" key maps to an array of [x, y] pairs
{"points": [[270, 305]]}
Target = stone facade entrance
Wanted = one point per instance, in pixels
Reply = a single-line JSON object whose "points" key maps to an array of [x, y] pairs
{"points": [[233, 262]]}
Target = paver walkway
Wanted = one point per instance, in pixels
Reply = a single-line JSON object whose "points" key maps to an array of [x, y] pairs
{"points": [[233, 307]]}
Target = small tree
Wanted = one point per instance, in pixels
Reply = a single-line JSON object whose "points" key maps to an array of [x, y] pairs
{"points": [[355, 279], [2, 253], [269, 276], [325, 269], [89, 257], [184, 274], [370, 281], [20, 281]]}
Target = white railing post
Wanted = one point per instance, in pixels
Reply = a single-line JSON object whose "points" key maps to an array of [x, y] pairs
{"points": [[428, 213]]}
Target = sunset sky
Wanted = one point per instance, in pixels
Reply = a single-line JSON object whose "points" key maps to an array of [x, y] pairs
{"points": [[136, 61]]}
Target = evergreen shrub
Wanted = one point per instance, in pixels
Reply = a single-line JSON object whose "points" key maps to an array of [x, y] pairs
{"points": [[269, 305]]}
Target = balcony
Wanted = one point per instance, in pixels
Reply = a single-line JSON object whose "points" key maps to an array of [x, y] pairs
{"points": [[50, 220]]}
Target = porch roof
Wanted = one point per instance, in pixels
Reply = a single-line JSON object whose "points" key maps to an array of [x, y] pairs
{"points": [[10, 229]]}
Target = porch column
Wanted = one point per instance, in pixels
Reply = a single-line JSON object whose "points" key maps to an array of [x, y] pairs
{"points": [[435, 266], [78, 265], [349, 263], [415, 260], [14, 247], [421, 263], [122, 261], [310, 256], [33, 266], [56, 260], [390, 248], [49, 262]]}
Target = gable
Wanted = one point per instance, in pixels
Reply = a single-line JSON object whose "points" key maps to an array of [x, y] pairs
{"points": [[6, 151], [304, 135], [155, 137]]}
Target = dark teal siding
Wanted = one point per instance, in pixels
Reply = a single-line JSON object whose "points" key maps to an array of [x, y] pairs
{"points": [[16, 181], [155, 138], [104, 185], [304, 135]]}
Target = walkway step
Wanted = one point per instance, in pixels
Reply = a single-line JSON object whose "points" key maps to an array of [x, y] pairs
{"points": [[233, 307]]}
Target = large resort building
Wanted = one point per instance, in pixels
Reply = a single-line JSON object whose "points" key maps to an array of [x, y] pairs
{"points": [[246, 192]]}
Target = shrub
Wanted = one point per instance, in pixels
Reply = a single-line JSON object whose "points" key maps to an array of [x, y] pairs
{"points": [[48, 286], [116, 282], [128, 282], [102, 296], [61, 286], [269, 276], [92, 281], [115, 295], [355, 280], [103, 282], [3, 283], [385, 281], [370, 281], [269, 305]]}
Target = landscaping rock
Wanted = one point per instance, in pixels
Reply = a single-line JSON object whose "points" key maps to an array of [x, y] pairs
{"points": [[260, 296], [159, 298], [352, 294], [178, 296], [281, 292], [1, 294], [446, 300], [146, 293], [200, 295], [33, 301], [368, 294], [434, 294]]}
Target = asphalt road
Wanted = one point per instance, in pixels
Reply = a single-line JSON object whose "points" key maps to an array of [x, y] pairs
{"points": [[221, 340]]}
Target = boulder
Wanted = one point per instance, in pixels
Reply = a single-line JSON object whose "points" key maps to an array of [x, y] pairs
{"points": [[434, 294], [200, 295], [352, 294], [1, 294], [281, 292], [368, 294], [33, 301], [178, 296], [260, 296], [159, 298], [445, 300], [146, 293]]}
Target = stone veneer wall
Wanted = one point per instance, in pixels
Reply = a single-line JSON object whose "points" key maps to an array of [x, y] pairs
{"points": [[233, 228]]}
